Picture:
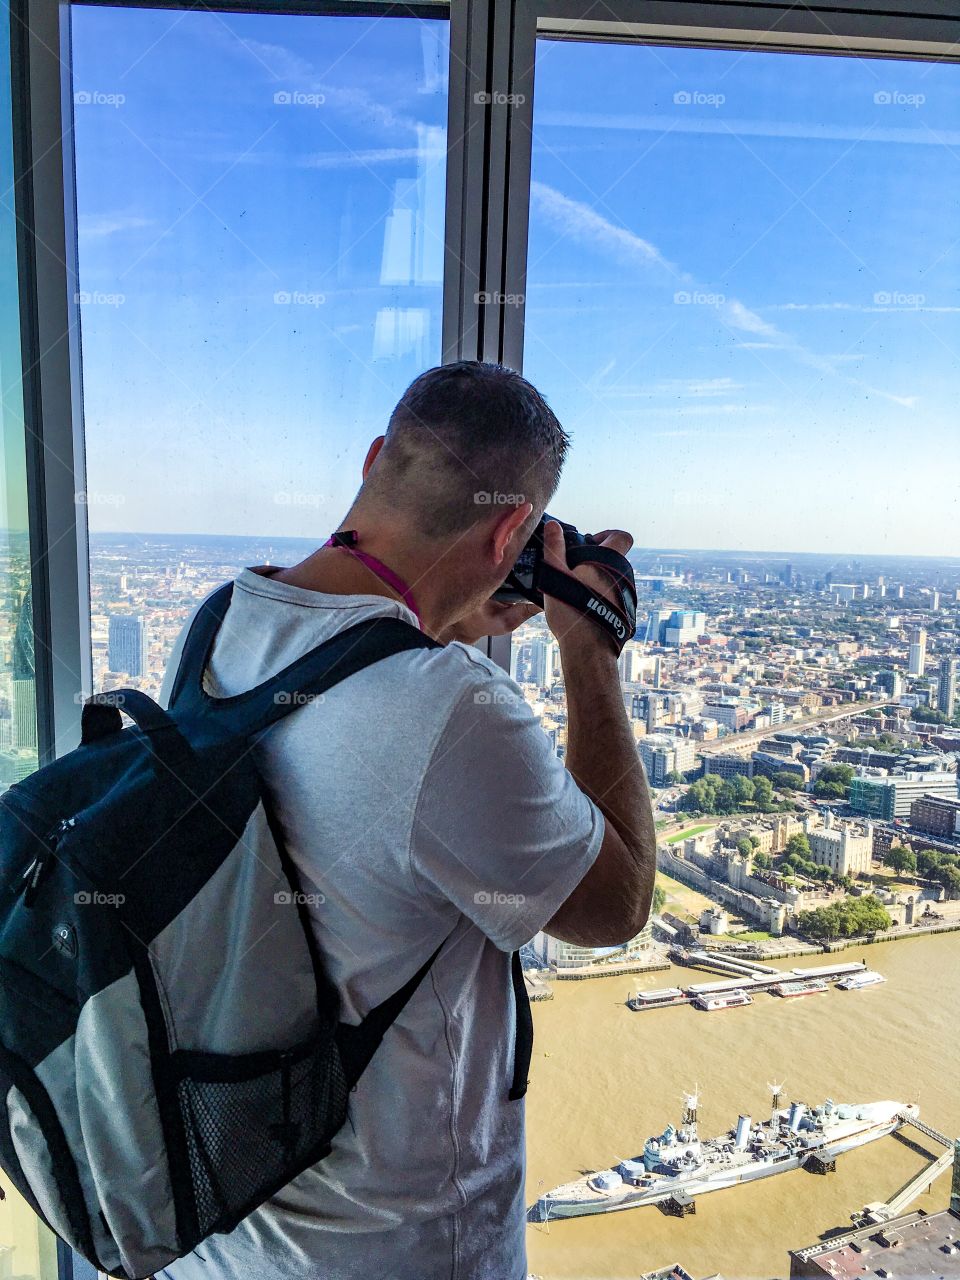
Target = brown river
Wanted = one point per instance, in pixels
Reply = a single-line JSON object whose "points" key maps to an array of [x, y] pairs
{"points": [[604, 1078]]}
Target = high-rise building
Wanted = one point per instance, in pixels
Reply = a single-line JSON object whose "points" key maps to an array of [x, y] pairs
{"points": [[891, 682], [947, 687], [127, 644], [544, 661], [23, 677], [918, 652], [684, 626], [630, 662]]}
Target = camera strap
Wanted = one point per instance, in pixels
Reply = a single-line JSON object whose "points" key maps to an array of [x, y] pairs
{"points": [[347, 539], [618, 620]]}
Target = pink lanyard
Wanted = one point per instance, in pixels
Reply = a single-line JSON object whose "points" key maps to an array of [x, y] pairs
{"points": [[347, 540]]}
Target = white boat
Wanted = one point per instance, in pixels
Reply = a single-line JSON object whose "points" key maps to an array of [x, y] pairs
{"points": [[869, 978], [722, 1000], [660, 999], [790, 990], [677, 1165]]}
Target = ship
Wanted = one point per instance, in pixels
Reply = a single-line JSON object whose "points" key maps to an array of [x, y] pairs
{"points": [[677, 1165], [869, 978], [709, 1001], [660, 999], [791, 989]]}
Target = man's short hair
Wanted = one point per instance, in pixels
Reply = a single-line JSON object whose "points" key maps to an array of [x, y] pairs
{"points": [[465, 437]]}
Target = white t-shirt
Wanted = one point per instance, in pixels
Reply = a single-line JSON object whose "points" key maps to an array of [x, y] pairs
{"points": [[418, 797]]}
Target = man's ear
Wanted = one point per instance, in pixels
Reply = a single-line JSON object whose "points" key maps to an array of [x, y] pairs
{"points": [[372, 454], [506, 528]]}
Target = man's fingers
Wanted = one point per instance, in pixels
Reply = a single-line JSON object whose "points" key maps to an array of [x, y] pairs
{"points": [[615, 539], [554, 547]]}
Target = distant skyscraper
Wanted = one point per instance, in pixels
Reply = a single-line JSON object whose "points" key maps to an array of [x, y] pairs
{"points": [[947, 687], [918, 652], [127, 645], [544, 659], [630, 662], [24, 678]]}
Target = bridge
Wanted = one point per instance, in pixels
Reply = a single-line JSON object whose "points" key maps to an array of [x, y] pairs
{"points": [[820, 719], [901, 1200]]}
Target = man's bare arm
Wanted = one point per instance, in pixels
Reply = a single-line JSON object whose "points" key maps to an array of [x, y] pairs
{"points": [[612, 902]]}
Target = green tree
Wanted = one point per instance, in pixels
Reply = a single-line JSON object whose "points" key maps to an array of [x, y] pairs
{"points": [[901, 859], [744, 789], [928, 861], [762, 861], [851, 918], [744, 847], [799, 846], [949, 877], [659, 899], [928, 715], [786, 781], [762, 793]]}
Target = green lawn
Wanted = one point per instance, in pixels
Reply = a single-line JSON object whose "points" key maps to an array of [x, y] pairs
{"points": [[690, 831]]}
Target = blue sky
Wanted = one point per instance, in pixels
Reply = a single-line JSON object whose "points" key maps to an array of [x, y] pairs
{"points": [[742, 294]]}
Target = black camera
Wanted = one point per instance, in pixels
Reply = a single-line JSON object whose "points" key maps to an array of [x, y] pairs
{"points": [[523, 580], [531, 578]]}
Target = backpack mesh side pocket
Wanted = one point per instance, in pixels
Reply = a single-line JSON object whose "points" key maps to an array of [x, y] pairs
{"points": [[253, 1122]]}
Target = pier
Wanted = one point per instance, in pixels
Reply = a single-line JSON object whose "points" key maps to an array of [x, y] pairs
{"points": [[900, 1201], [748, 976]]}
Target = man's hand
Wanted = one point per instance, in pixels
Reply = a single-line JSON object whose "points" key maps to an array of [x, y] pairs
{"points": [[492, 619], [569, 625]]}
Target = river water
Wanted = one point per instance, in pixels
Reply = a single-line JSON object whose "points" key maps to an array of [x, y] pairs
{"points": [[604, 1078]]}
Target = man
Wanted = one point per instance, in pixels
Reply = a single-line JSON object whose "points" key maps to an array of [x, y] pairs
{"points": [[421, 804]]}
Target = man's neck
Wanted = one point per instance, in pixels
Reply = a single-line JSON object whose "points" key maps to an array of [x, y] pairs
{"points": [[335, 571]]}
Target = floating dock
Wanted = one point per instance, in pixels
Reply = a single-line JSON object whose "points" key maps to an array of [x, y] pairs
{"points": [[765, 980]]}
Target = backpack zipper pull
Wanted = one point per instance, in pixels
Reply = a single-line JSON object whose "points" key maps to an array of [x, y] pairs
{"points": [[34, 874]]}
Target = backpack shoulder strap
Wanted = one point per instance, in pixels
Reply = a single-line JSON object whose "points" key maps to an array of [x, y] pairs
{"points": [[198, 645], [309, 676]]}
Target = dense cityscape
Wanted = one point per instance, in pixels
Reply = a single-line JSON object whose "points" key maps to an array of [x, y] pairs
{"points": [[798, 720]]}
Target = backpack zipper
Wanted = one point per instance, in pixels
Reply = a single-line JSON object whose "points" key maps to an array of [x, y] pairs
{"points": [[34, 874]]}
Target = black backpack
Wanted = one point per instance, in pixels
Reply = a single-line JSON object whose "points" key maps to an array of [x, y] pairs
{"points": [[171, 1050]]}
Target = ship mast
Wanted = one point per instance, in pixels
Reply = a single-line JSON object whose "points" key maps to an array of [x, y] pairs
{"points": [[691, 1102], [776, 1091]]}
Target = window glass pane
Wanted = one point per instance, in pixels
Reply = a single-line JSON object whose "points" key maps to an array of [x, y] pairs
{"points": [[18, 704], [742, 301], [260, 236], [27, 1249]]}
